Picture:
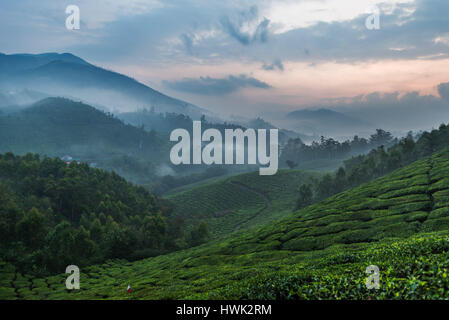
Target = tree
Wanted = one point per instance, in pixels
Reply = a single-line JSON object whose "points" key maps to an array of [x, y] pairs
{"points": [[60, 247], [96, 230], [30, 229], [305, 196], [291, 164], [200, 234], [325, 187], [340, 180], [10, 215], [154, 228], [381, 137]]}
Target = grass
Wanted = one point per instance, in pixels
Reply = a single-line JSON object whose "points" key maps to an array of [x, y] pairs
{"points": [[399, 222]]}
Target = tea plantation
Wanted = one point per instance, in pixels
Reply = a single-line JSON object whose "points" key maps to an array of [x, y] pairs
{"points": [[241, 201], [399, 222]]}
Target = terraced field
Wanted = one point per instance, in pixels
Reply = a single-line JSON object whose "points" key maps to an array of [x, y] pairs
{"points": [[279, 190], [399, 222], [241, 201]]}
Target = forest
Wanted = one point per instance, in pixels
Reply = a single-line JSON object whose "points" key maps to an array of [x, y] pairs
{"points": [[295, 151], [52, 214]]}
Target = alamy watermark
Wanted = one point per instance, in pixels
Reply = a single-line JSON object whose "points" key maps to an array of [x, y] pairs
{"points": [[372, 282], [372, 22], [72, 281], [212, 153], [73, 20]]}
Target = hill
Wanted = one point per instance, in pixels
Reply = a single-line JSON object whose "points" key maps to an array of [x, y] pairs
{"points": [[398, 222], [325, 122], [60, 127], [240, 201], [52, 214], [67, 75], [12, 63]]}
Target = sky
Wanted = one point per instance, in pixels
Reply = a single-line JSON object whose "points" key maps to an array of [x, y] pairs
{"points": [[253, 58]]}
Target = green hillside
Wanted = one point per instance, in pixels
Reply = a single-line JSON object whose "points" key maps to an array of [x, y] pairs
{"points": [[398, 222], [57, 127], [52, 214], [240, 201]]}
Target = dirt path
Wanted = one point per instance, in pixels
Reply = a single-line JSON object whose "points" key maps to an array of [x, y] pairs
{"points": [[254, 190]]}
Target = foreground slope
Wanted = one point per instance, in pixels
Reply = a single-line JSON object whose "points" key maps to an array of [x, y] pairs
{"points": [[398, 222]]}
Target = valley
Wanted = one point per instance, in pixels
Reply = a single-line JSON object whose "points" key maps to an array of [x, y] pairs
{"points": [[319, 251]]}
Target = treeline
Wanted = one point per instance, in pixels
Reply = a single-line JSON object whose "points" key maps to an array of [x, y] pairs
{"points": [[53, 215], [295, 151], [376, 163]]}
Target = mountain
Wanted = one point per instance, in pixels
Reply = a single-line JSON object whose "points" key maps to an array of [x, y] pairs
{"points": [[70, 76], [11, 64], [60, 127], [398, 222], [325, 122], [284, 134], [165, 123]]}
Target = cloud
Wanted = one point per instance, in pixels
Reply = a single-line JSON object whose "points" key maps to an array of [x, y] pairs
{"points": [[123, 30], [277, 64], [412, 27], [216, 86], [393, 111], [187, 40], [246, 20], [443, 90]]}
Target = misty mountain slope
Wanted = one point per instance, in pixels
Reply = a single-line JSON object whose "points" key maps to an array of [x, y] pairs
{"points": [[58, 127], [325, 122], [70, 76], [10, 64], [284, 134], [11, 101], [55, 124], [398, 222]]}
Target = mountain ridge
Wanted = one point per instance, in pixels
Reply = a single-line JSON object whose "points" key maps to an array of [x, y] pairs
{"points": [[317, 121], [68, 75]]}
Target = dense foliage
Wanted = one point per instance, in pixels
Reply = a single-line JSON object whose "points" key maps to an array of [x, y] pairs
{"points": [[376, 163], [296, 152], [53, 214]]}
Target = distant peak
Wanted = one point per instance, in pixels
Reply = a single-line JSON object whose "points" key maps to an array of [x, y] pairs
{"points": [[51, 56]]}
